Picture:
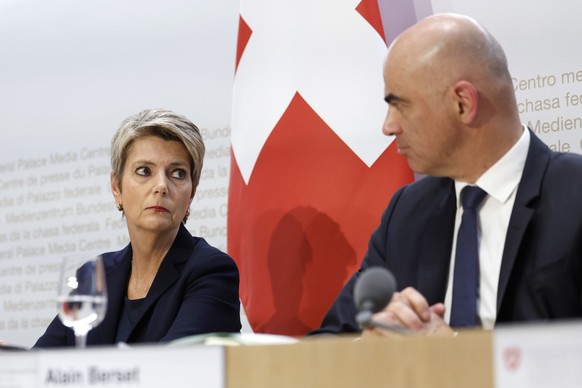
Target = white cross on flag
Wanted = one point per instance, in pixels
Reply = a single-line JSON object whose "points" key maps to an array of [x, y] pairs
{"points": [[311, 171]]}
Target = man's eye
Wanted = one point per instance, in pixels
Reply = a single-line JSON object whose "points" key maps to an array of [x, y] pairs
{"points": [[143, 171]]}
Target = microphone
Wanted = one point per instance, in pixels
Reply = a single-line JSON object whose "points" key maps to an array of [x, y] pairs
{"points": [[372, 292]]}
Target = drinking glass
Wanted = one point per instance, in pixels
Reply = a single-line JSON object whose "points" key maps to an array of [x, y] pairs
{"points": [[82, 297]]}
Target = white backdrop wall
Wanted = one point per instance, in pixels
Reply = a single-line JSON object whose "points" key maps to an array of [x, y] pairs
{"points": [[71, 71], [542, 43]]}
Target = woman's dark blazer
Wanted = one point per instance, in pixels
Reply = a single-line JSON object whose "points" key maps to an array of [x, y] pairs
{"points": [[194, 292]]}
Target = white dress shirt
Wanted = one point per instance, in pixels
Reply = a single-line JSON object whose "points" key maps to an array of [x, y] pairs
{"points": [[500, 183]]}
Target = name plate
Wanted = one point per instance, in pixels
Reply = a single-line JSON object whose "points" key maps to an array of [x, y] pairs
{"points": [[18, 370], [538, 356], [141, 367]]}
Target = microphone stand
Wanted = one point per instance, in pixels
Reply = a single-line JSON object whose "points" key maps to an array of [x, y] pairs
{"points": [[364, 319]]}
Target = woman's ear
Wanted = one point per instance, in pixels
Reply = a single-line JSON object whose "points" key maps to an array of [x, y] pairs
{"points": [[467, 101], [115, 189]]}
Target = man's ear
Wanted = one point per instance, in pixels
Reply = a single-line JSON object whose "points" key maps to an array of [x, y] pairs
{"points": [[466, 99]]}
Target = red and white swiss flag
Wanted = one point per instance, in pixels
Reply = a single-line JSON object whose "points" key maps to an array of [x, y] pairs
{"points": [[311, 171]]}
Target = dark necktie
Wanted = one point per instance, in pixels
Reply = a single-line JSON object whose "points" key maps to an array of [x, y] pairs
{"points": [[466, 276]]}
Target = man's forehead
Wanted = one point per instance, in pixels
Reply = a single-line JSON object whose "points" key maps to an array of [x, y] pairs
{"points": [[392, 77]]}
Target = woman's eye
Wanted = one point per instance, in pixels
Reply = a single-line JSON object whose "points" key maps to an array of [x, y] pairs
{"points": [[180, 174], [144, 171]]}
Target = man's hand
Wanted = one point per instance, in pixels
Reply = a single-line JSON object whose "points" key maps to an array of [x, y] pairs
{"points": [[409, 309]]}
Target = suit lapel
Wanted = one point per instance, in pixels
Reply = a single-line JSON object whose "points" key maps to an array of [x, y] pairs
{"points": [[169, 272], [117, 273], [528, 190], [435, 245]]}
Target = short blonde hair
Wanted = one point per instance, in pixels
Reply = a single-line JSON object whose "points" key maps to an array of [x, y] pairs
{"points": [[162, 123]]}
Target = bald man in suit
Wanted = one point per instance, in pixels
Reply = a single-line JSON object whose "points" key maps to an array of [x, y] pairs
{"points": [[453, 111]]}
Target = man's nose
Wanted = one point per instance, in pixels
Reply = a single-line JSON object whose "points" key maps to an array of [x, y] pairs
{"points": [[391, 126]]}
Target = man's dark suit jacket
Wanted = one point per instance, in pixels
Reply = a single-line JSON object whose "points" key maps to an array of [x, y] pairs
{"points": [[541, 268], [194, 292]]}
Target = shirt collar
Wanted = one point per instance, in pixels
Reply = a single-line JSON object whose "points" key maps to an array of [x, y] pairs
{"points": [[501, 179]]}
